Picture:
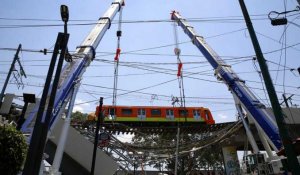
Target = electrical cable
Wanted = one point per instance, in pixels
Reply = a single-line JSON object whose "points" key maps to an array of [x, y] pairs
{"points": [[275, 39], [216, 20], [285, 43], [261, 81], [201, 79], [131, 52], [41, 85], [88, 20], [133, 91], [222, 20], [88, 92], [166, 72]]}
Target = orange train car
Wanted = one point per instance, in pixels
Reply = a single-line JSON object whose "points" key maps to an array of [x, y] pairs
{"points": [[156, 114]]}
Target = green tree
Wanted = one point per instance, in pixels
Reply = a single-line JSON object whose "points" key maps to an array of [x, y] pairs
{"points": [[13, 150], [79, 117], [208, 158], [211, 158]]}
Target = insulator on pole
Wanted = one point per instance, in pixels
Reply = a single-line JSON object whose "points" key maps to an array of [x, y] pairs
{"points": [[45, 51]]}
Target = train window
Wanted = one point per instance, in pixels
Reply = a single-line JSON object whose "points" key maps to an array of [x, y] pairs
{"points": [[183, 113], [196, 114], [111, 111], [170, 112], [126, 111], [206, 115], [155, 112], [141, 112]]}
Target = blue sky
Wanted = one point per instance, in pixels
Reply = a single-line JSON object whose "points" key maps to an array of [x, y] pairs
{"points": [[219, 22]]}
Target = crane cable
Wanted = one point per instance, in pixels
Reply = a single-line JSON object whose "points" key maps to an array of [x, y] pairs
{"points": [[117, 57], [181, 89], [180, 67]]}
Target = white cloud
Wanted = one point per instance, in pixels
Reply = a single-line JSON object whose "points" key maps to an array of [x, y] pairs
{"points": [[222, 116], [81, 107], [78, 108]]}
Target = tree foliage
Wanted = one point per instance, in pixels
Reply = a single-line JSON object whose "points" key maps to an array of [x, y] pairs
{"points": [[208, 158], [79, 117], [13, 150]]}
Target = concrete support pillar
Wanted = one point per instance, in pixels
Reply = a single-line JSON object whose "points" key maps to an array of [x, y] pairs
{"points": [[231, 161]]}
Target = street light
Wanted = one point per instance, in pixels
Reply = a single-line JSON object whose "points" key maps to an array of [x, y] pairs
{"points": [[64, 12]]}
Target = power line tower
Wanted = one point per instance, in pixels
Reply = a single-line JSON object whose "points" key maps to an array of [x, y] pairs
{"points": [[12, 68]]}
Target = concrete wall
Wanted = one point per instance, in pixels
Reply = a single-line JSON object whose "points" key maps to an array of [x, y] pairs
{"points": [[81, 150], [292, 115]]}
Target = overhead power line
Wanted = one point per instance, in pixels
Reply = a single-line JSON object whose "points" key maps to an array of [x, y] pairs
{"points": [[133, 52], [147, 93], [226, 18], [58, 20], [237, 19]]}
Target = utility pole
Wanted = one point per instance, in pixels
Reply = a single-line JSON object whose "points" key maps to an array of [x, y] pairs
{"points": [[9, 73], [100, 120], [177, 147], [286, 139]]}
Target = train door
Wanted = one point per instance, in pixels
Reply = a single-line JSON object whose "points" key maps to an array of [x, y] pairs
{"points": [[206, 115], [183, 114], [196, 114], [170, 114], [142, 114], [112, 113]]}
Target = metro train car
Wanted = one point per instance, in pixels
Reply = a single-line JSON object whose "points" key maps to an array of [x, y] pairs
{"points": [[152, 114]]}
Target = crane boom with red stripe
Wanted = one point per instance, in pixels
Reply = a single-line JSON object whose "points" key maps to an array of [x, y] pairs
{"points": [[236, 86]]}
